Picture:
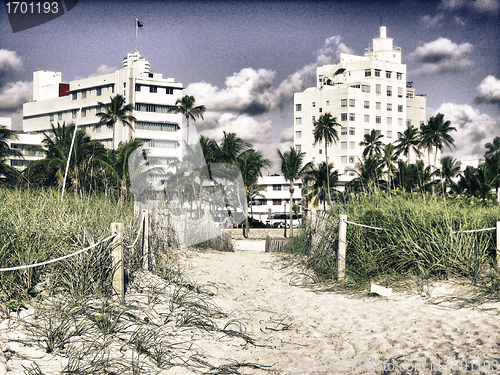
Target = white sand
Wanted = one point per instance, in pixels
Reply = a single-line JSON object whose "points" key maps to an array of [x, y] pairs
{"points": [[298, 330]]}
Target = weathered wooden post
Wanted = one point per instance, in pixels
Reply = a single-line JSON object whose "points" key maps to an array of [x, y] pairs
{"points": [[117, 255], [145, 241], [341, 247], [498, 244]]}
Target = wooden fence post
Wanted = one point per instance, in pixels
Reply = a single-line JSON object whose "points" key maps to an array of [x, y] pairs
{"points": [[341, 247], [117, 255], [498, 243], [145, 241]]}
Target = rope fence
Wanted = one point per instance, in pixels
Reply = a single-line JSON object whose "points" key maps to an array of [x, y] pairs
{"points": [[342, 241]]}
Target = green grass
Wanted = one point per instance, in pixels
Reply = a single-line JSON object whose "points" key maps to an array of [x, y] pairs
{"points": [[418, 240]]}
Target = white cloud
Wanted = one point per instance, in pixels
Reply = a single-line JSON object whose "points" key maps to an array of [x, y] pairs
{"points": [[14, 94], [442, 56], [9, 61], [104, 69], [428, 21], [474, 130], [488, 91], [475, 7]]}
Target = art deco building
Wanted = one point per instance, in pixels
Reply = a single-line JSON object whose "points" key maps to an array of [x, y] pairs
{"points": [[363, 93]]}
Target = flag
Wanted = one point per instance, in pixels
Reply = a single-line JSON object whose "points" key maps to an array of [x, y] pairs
{"points": [[139, 25]]}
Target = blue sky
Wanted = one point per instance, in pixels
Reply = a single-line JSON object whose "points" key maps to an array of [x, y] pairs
{"points": [[244, 59]]}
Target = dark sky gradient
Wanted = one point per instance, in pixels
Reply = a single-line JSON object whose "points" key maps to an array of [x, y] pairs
{"points": [[208, 41]]}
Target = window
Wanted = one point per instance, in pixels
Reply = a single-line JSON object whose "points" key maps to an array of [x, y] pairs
{"points": [[314, 104], [59, 116], [161, 144], [343, 131], [157, 108], [74, 96], [298, 107], [408, 110], [378, 132], [378, 105], [378, 119], [153, 89], [51, 117], [352, 145], [351, 159], [169, 91], [378, 88], [409, 95], [98, 129], [97, 109], [73, 113], [343, 159], [298, 134], [367, 118], [298, 148], [389, 133], [367, 104], [352, 117], [389, 120], [389, 90], [98, 91], [400, 108], [343, 145], [389, 107], [343, 117], [400, 121], [400, 92], [352, 103], [320, 110], [84, 94], [314, 118], [137, 87], [320, 151], [277, 187], [343, 102], [365, 88], [352, 131], [84, 112], [276, 202], [327, 102], [368, 72], [298, 121], [377, 72], [408, 123], [367, 131], [422, 111], [388, 74], [399, 76], [156, 126]]}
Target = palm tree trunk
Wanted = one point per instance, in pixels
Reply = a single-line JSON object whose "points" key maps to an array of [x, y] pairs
{"points": [[291, 205], [327, 175]]}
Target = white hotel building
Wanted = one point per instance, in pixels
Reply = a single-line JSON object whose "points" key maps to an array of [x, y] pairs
{"points": [[150, 94], [363, 93]]}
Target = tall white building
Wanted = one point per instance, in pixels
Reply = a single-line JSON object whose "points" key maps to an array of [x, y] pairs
{"points": [[150, 94], [363, 93]]}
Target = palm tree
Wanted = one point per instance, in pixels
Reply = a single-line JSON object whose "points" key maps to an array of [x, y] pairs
{"points": [[408, 141], [119, 159], [450, 168], [388, 159], [324, 130], [369, 173], [293, 169], [372, 144], [113, 112], [476, 182], [7, 136], [315, 183], [435, 135], [186, 106], [251, 163], [492, 161]]}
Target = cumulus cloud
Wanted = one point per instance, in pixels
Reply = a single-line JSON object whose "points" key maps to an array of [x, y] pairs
{"points": [[477, 8], [104, 69], [14, 94], [474, 130], [9, 62], [429, 21], [442, 56], [488, 91]]}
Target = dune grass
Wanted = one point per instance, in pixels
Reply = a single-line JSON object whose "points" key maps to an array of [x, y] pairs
{"points": [[423, 237]]}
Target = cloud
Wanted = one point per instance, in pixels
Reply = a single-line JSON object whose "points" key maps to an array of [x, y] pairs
{"points": [[477, 8], [442, 56], [9, 62], [428, 21], [14, 94], [474, 130], [104, 69], [488, 91]]}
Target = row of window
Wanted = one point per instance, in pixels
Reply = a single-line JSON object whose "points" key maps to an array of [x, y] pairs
{"points": [[157, 108], [279, 187], [88, 92], [155, 89], [74, 113], [161, 143], [156, 126], [378, 73]]}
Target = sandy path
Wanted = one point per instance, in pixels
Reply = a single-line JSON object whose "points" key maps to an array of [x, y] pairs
{"points": [[304, 331]]}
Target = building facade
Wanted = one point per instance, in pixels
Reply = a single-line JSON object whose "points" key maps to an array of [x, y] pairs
{"points": [[362, 93], [150, 94]]}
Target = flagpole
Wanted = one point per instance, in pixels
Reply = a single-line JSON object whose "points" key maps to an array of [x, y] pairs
{"points": [[136, 28]]}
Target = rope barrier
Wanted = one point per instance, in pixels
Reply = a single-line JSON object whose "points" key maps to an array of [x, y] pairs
{"points": [[473, 230], [362, 225], [58, 259], [138, 232]]}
